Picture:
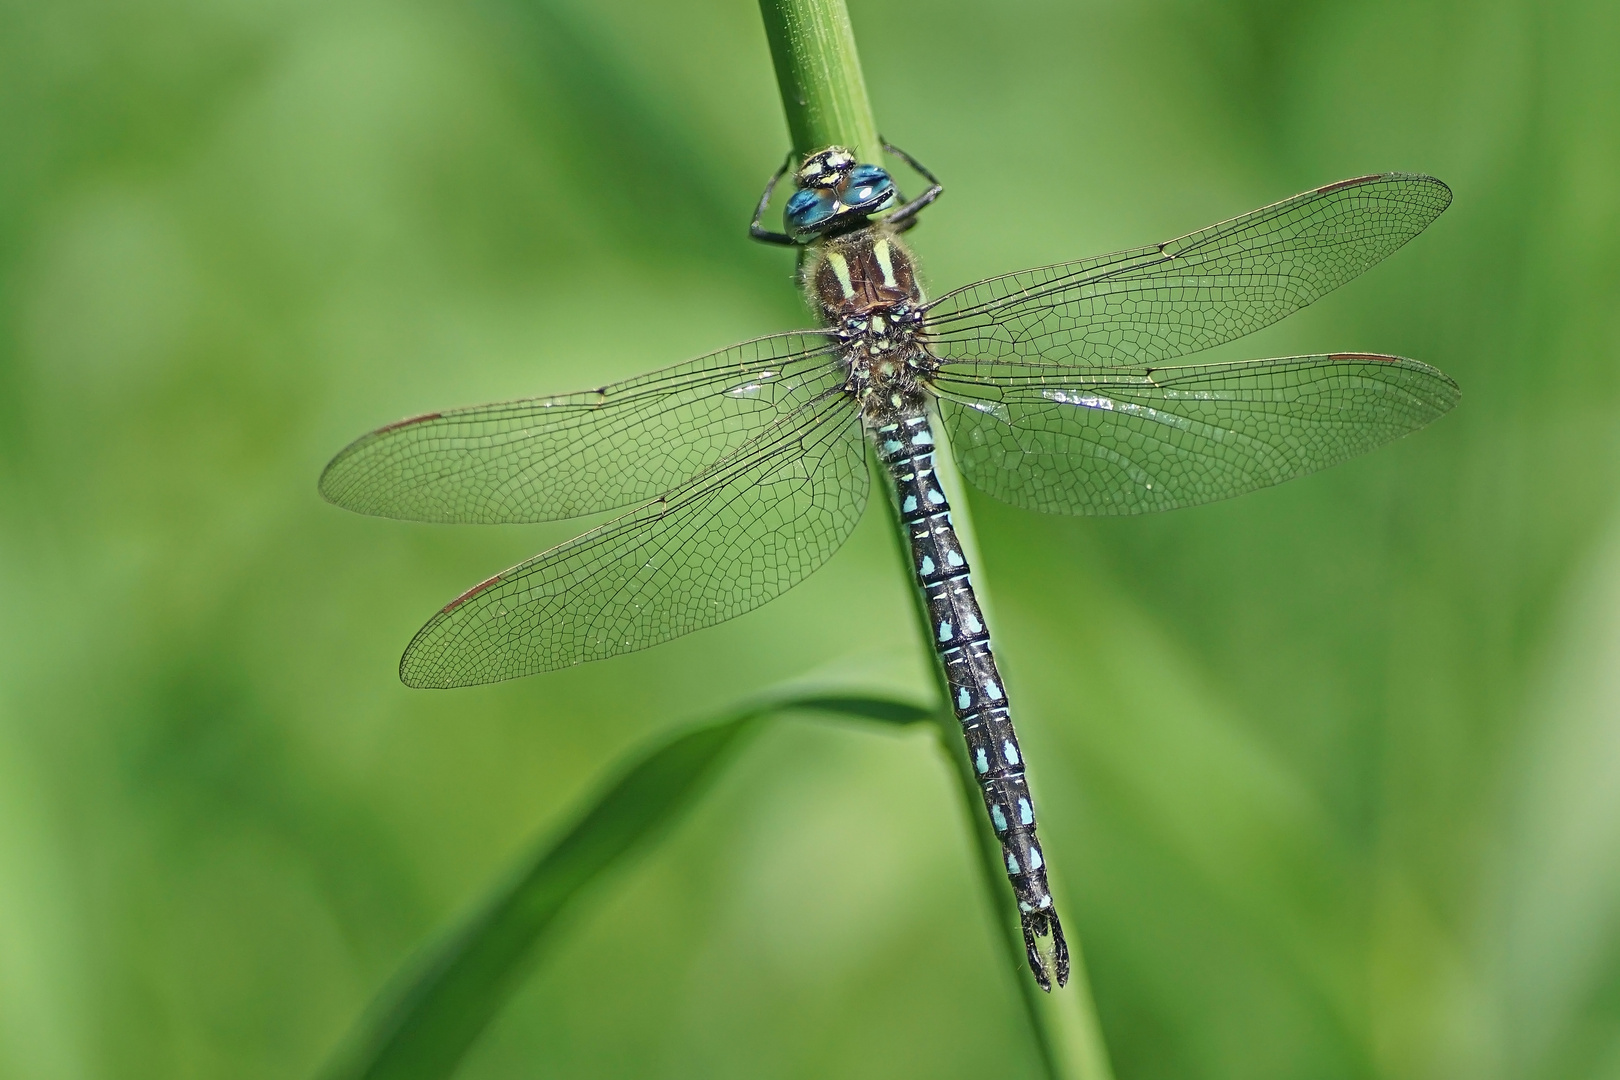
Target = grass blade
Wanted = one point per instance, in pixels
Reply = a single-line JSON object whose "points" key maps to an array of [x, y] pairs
{"points": [[423, 1025]]}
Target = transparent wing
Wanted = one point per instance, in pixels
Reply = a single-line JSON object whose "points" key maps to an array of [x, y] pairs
{"points": [[1180, 297], [750, 528], [1131, 440], [542, 459]]}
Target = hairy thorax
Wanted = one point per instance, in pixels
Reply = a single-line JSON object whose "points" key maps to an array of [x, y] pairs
{"points": [[864, 286]]}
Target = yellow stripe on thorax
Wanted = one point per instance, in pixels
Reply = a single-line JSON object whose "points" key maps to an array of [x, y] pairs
{"points": [[840, 266], [885, 263]]}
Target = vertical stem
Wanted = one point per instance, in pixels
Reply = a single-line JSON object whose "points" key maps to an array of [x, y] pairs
{"points": [[824, 96], [819, 75]]}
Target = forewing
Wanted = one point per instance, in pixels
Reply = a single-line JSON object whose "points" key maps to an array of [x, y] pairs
{"points": [[748, 529], [1170, 300], [542, 459], [1131, 440]]}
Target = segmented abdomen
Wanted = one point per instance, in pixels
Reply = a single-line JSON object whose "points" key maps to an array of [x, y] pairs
{"points": [[978, 697]]}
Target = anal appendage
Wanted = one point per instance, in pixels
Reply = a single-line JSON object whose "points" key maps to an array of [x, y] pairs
{"points": [[1044, 945]]}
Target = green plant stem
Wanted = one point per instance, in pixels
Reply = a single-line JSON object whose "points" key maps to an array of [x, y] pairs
{"points": [[819, 75], [824, 96]]}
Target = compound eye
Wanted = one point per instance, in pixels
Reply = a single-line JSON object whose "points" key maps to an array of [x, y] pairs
{"points": [[868, 189], [809, 209]]}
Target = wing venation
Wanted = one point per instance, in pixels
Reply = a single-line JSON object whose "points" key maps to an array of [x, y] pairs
{"points": [[741, 533], [1170, 300], [1134, 440], [543, 459]]}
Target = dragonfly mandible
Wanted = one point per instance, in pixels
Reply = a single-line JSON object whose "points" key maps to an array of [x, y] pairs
{"points": [[1063, 389]]}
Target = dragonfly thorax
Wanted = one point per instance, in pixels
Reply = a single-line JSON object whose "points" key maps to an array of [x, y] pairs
{"points": [[852, 276], [864, 286], [888, 367]]}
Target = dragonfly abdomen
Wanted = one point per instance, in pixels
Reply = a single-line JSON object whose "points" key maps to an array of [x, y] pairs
{"points": [[962, 641]]}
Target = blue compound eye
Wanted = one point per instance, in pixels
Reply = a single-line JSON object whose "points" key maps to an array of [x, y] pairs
{"points": [[868, 188], [809, 208]]}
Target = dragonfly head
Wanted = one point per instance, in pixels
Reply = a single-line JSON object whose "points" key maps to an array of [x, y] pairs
{"points": [[835, 190]]}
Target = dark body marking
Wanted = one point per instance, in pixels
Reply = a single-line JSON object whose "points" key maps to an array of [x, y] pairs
{"points": [[861, 280]]}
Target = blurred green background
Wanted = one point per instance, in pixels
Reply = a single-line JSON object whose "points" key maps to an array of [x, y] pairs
{"points": [[1329, 775]]}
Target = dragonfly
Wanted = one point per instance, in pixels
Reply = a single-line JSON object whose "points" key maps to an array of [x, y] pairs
{"points": [[1064, 389]]}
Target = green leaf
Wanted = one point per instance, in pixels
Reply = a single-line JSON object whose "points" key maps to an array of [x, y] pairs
{"points": [[865, 708], [421, 1027]]}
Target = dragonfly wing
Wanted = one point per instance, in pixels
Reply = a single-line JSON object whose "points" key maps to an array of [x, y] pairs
{"points": [[1132, 440], [749, 528], [542, 459], [1170, 300]]}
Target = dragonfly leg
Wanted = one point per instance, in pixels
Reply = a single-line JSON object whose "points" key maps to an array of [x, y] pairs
{"points": [[757, 230], [906, 217]]}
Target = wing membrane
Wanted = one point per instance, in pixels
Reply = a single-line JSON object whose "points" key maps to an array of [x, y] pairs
{"points": [[742, 533], [1133, 440], [542, 459], [1167, 301]]}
